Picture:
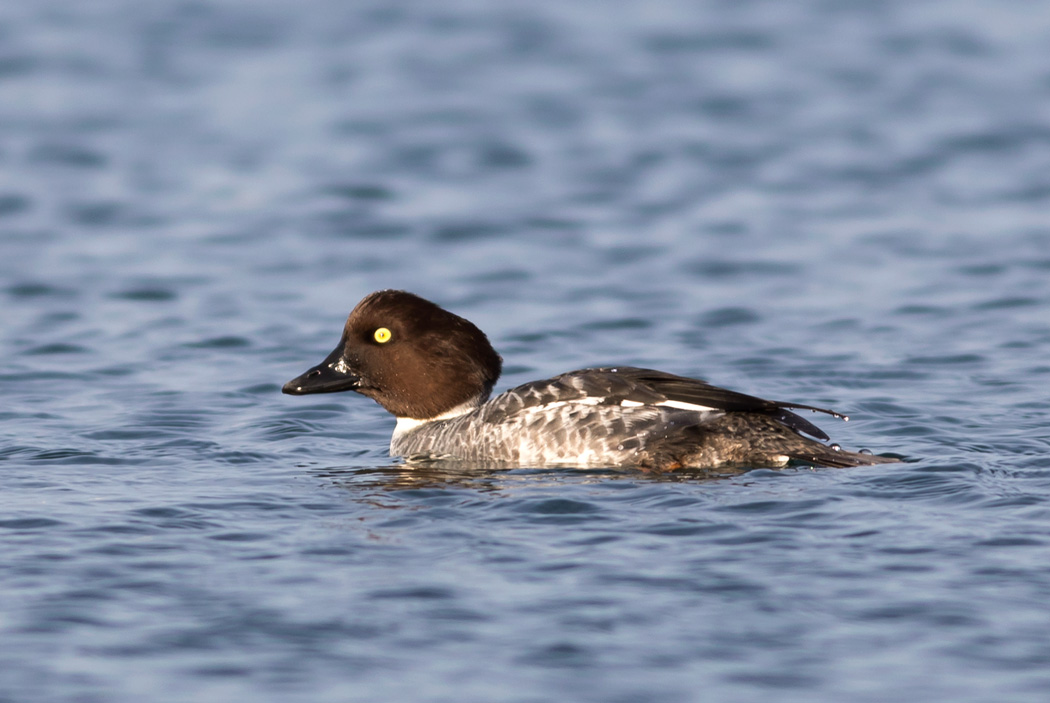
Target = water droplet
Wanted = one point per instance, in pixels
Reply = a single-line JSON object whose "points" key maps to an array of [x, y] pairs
{"points": [[835, 447], [866, 451]]}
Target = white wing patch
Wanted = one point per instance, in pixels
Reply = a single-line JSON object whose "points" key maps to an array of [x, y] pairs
{"points": [[670, 404], [595, 400], [562, 403]]}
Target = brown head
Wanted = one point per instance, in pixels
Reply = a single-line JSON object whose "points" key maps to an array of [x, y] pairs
{"points": [[412, 357]]}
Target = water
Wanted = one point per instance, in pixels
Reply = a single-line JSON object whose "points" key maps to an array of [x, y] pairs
{"points": [[835, 203]]}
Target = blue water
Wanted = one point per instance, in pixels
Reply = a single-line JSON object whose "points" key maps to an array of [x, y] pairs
{"points": [[844, 204]]}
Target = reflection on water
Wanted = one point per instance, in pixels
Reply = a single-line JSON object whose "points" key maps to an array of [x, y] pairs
{"points": [[453, 474]]}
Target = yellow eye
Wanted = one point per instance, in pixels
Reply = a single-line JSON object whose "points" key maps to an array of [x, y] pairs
{"points": [[382, 335]]}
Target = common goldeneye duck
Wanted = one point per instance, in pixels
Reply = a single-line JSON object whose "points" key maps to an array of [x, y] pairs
{"points": [[434, 371]]}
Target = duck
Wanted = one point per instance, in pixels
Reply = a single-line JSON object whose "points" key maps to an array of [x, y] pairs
{"points": [[434, 371]]}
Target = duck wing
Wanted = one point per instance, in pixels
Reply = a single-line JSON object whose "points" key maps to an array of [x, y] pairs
{"points": [[628, 386]]}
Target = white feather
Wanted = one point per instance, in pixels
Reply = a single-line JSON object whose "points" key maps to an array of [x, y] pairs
{"points": [[669, 404]]}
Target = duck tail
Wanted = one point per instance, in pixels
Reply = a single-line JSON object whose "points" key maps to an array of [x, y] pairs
{"points": [[831, 455]]}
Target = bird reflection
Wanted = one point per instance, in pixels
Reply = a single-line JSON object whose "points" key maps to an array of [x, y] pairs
{"points": [[493, 478]]}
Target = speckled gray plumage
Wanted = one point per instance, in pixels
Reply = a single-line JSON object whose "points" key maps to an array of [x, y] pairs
{"points": [[580, 418]]}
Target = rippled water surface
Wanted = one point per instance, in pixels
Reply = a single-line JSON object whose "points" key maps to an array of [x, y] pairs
{"points": [[836, 203]]}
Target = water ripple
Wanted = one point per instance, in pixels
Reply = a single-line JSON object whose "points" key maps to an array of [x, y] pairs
{"points": [[830, 203]]}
